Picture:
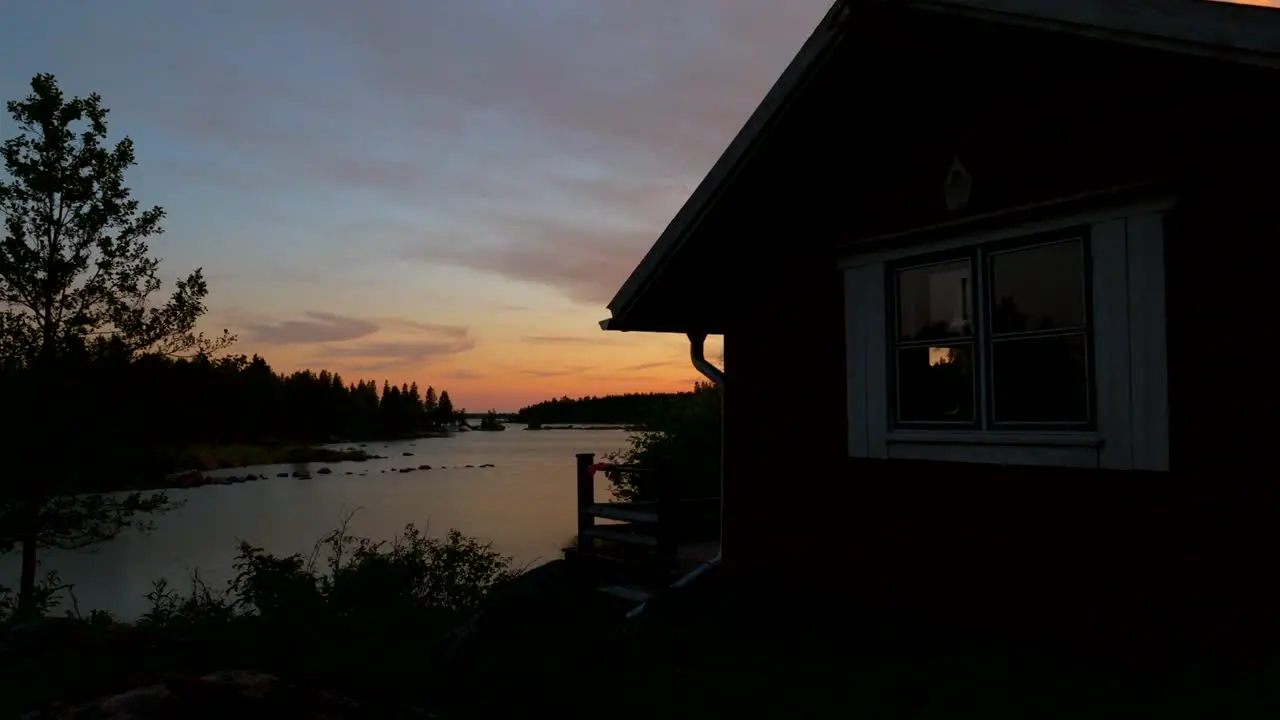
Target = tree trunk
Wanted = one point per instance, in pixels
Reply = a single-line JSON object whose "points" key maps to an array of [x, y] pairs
{"points": [[27, 609], [37, 447]]}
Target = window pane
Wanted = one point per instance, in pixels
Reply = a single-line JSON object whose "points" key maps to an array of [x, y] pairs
{"points": [[935, 384], [1040, 380], [1039, 288], [935, 302]]}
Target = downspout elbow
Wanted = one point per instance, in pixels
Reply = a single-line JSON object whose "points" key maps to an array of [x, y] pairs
{"points": [[697, 352]]}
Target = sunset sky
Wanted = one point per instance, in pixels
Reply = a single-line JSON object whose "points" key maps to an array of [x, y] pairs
{"points": [[444, 191], [440, 191]]}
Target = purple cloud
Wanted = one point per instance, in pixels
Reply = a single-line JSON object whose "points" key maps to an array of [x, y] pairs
{"points": [[548, 142], [323, 327]]}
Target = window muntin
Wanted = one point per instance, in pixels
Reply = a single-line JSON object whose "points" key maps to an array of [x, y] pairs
{"points": [[1023, 360]]}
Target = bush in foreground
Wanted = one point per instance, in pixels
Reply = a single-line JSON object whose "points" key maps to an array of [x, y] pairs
{"points": [[354, 615], [682, 441]]}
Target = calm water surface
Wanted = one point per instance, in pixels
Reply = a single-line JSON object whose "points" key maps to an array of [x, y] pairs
{"points": [[525, 506]]}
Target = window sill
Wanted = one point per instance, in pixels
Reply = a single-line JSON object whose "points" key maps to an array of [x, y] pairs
{"points": [[1025, 448], [1046, 438]]}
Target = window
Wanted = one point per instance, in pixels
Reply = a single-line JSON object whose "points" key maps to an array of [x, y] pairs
{"points": [[1035, 345], [1020, 360]]}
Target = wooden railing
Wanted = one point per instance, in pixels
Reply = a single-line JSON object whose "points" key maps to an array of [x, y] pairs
{"points": [[652, 530]]}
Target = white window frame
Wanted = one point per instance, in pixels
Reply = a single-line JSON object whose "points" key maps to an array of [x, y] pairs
{"points": [[1129, 354]]}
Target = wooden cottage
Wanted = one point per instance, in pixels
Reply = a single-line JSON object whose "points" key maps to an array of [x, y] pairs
{"points": [[994, 278]]}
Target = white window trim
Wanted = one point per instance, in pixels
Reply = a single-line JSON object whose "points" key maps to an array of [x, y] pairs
{"points": [[1130, 377]]}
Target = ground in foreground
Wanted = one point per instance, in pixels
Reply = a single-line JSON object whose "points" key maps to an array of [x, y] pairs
{"points": [[721, 648], [552, 646]]}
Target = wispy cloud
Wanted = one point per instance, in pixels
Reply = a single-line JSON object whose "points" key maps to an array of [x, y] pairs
{"points": [[463, 374], [564, 340], [649, 366], [452, 331], [546, 373], [550, 146], [376, 355], [351, 158], [363, 344], [322, 327]]}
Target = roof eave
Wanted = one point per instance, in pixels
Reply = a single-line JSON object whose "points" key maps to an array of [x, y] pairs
{"points": [[1198, 27], [730, 161], [1210, 28]]}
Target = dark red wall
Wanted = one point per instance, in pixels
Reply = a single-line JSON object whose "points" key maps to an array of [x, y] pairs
{"points": [[1040, 552]]}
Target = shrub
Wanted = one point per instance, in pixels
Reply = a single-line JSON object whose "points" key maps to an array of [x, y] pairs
{"points": [[350, 614], [683, 441]]}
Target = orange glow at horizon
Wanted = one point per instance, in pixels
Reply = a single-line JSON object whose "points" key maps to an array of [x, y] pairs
{"points": [[506, 371]]}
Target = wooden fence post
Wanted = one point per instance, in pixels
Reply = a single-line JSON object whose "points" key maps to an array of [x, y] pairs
{"points": [[586, 496]]}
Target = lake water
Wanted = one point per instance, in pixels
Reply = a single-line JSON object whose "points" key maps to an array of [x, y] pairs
{"points": [[525, 506]]}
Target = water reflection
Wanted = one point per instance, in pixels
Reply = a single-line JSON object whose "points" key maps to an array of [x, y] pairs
{"points": [[525, 506]]}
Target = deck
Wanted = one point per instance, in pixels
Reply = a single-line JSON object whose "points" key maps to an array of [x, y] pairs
{"points": [[636, 549]]}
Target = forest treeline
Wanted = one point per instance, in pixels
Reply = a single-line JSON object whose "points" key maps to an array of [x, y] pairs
{"points": [[240, 399], [236, 399], [627, 409]]}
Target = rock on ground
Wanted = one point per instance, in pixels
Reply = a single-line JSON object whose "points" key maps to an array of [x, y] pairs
{"points": [[234, 694]]}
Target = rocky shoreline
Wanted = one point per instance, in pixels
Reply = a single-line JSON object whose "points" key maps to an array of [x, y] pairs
{"points": [[195, 478]]}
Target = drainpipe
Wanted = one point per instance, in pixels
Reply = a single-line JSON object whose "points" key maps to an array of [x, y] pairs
{"points": [[697, 342]]}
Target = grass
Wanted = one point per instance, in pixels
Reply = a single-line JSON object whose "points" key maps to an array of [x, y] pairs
{"points": [[731, 645]]}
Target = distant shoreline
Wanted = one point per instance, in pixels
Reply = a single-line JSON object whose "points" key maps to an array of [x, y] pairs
{"points": [[227, 457], [570, 426], [189, 467]]}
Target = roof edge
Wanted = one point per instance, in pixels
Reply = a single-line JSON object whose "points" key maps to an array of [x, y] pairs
{"points": [[1226, 30], [740, 149]]}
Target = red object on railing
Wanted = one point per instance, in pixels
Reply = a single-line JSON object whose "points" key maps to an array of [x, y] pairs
{"points": [[610, 470]]}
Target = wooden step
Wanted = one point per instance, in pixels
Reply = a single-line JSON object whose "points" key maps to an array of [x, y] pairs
{"points": [[622, 534], [630, 593], [607, 568], [627, 512]]}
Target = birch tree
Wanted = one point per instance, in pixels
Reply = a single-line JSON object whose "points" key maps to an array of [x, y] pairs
{"points": [[77, 282]]}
